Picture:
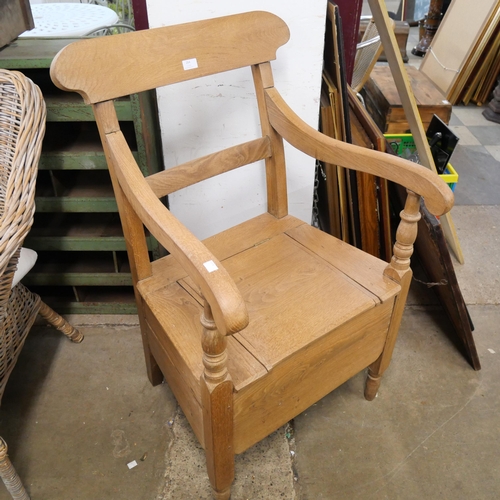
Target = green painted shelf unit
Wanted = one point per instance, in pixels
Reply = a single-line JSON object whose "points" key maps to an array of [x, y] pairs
{"points": [[82, 264]]}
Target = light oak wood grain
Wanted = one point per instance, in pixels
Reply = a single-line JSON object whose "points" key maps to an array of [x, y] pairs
{"points": [[171, 180], [218, 45], [298, 382], [228, 307], [253, 325]]}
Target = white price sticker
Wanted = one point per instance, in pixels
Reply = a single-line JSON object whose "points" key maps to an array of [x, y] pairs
{"points": [[190, 64], [210, 266]]}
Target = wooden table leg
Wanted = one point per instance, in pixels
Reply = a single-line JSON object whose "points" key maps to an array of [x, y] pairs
{"points": [[431, 24]]}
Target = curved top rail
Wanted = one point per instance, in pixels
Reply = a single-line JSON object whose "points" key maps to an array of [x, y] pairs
{"points": [[105, 68]]}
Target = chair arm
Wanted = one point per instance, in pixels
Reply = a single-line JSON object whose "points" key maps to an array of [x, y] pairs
{"points": [[218, 288], [438, 196]]}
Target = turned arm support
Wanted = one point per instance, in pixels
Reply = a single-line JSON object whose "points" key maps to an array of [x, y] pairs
{"points": [[406, 235], [226, 303], [438, 196]]}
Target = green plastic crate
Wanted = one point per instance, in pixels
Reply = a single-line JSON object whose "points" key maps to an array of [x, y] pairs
{"points": [[401, 143]]}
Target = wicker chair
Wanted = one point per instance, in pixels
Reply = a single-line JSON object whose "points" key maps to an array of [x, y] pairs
{"points": [[22, 127]]}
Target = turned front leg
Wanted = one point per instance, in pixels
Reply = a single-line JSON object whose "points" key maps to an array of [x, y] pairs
{"points": [[399, 270], [217, 401]]}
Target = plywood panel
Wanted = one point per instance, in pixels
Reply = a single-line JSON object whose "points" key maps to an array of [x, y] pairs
{"points": [[454, 40]]}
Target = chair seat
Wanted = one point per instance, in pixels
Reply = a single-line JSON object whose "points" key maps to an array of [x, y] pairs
{"points": [[287, 272]]}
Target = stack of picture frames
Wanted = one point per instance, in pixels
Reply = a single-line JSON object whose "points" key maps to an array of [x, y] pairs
{"points": [[464, 57], [354, 206], [357, 207]]}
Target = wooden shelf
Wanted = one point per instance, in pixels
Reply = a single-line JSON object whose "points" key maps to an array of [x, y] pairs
{"points": [[71, 107], [75, 191], [80, 269], [80, 137], [27, 53], [76, 231], [71, 232], [82, 265], [88, 300]]}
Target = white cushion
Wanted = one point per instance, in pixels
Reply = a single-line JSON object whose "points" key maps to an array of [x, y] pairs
{"points": [[27, 260]]}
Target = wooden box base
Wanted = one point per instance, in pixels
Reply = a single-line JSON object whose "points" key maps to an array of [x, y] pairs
{"points": [[384, 104]]}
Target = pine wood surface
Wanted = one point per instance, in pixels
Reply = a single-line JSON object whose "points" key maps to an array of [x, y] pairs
{"points": [[229, 308], [181, 176], [361, 267], [281, 268], [301, 380], [248, 39], [257, 341], [277, 194], [255, 324], [278, 261]]}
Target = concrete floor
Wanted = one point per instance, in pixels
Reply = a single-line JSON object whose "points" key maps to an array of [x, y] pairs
{"points": [[75, 416]]}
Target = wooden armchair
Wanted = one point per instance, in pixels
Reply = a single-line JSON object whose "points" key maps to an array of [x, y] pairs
{"points": [[22, 127], [253, 325]]}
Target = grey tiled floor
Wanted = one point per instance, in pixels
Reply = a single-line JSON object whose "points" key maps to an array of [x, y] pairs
{"points": [[477, 156]]}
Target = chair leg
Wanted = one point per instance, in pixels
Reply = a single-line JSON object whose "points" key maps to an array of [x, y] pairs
{"points": [[153, 370], [217, 404], [376, 369], [218, 435], [9, 475], [372, 383], [60, 323]]}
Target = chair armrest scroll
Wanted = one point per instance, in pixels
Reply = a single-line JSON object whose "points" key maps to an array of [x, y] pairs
{"points": [[218, 288], [438, 196]]}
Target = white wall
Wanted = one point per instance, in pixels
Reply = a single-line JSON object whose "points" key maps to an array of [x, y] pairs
{"points": [[227, 105]]}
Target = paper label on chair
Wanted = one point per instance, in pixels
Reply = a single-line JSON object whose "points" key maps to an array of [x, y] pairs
{"points": [[190, 64], [210, 266]]}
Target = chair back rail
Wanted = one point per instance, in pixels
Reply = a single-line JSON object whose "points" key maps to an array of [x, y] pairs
{"points": [[171, 180], [186, 51]]}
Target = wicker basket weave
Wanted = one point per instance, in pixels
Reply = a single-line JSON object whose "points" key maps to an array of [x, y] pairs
{"points": [[22, 127]]}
